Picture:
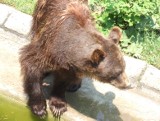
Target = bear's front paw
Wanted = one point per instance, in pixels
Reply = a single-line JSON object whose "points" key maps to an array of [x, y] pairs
{"points": [[39, 109], [57, 106]]}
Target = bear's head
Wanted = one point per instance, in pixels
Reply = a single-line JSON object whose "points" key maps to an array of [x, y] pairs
{"points": [[101, 58], [109, 61], [87, 50]]}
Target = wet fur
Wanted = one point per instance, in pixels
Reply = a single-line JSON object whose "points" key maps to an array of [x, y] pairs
{"points": [[66, 43]]}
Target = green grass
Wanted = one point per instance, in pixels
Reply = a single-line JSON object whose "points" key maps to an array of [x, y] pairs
{"points": [[26, 6], [145, 46], [151, 49], [148, 49]]}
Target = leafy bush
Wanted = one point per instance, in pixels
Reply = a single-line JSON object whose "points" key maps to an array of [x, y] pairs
{"points": [[140, 14]]}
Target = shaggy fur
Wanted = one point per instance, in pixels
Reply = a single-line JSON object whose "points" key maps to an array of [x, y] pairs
{"points": [[66, 44]]}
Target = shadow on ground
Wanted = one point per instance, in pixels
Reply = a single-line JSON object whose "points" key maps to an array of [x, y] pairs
{"points": [[89, 102]]}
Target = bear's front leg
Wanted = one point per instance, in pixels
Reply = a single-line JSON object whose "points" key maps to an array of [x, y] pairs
{"points": [[64, 80], [57, 102], [33, 88]]}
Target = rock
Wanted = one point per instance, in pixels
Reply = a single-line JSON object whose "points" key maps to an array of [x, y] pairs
{"points": [[135, 69], [5, 11], [151, 78], [150, 83], [19, 22]]}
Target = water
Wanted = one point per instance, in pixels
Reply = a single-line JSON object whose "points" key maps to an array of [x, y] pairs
{"points": [[12, 110]]}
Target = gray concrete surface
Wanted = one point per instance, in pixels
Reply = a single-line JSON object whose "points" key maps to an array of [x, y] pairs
{"points": [[94, 100]]}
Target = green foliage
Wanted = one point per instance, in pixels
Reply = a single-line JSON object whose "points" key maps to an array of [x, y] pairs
{"points": [[151, 49], [140, 14], [133, 49]]}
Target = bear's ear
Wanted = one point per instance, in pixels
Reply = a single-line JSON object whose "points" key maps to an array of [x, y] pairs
{"points": [[115, 34], [97, 56]]}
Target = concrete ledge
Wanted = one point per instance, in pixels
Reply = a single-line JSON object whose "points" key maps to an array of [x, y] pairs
{"points": [[19, 22], [14, 20], [150, 83], [135, 69], [151, 78], [5, 12]]}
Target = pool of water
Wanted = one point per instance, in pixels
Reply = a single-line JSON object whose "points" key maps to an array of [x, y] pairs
{"points": [[12, 110]]}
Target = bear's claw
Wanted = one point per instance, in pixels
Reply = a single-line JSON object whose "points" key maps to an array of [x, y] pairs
{"points": [[39, 110], [57, 106]]}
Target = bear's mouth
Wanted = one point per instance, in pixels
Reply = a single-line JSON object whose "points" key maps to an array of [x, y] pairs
{"points": [[119, 82]]}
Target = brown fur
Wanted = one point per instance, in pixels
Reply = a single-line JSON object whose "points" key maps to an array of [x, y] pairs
{"points": [[66, 43]]}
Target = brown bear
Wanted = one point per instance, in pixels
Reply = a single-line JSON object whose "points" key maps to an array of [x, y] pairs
{"points": [[66, 43]]}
